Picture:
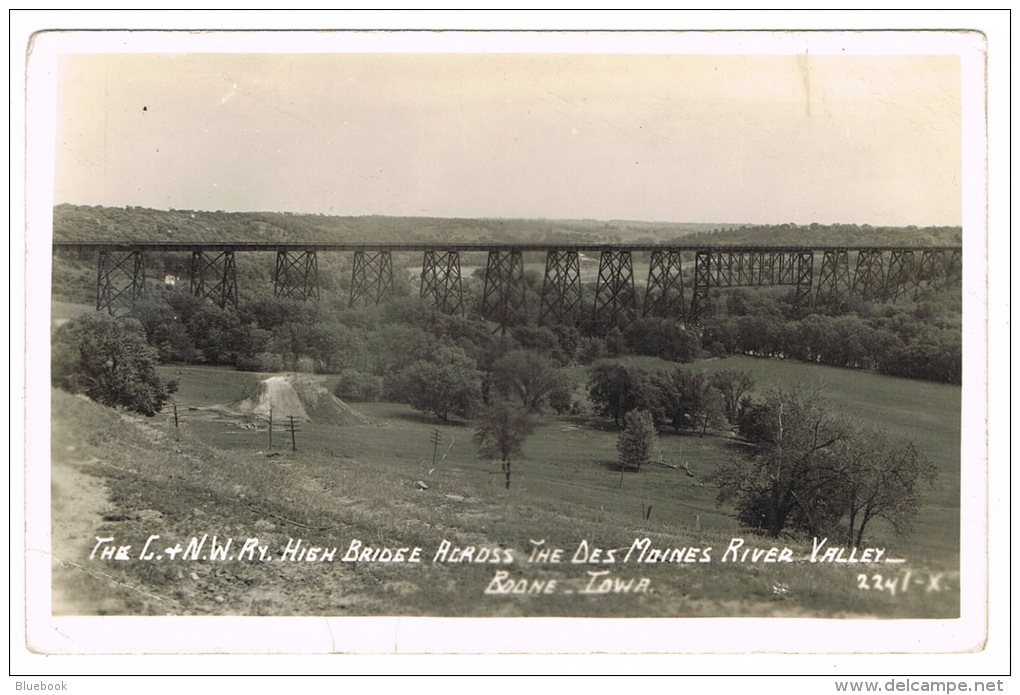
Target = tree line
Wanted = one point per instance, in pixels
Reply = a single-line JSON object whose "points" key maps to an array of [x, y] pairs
{"points": [[912, 339]]}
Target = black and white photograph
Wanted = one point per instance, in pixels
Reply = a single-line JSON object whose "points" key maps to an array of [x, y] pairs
{"points": [[537, 341]]}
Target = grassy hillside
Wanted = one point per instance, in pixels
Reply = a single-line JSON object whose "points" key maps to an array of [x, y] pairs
{"points": [[364, 482]]}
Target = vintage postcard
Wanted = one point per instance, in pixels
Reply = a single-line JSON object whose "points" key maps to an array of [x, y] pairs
{"points": [[506, 342]]}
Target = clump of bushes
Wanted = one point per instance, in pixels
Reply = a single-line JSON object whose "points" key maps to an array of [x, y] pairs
{"points": [[262, 362], [358, 386], [110, 362]]}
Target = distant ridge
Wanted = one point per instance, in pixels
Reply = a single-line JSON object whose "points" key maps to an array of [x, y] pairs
{"points": [[94, 223]]}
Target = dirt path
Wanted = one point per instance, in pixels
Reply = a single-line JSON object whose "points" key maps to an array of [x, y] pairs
{"points": [[79, 501]]}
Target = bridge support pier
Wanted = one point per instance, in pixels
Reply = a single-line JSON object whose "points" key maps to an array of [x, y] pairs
{"points": [[440, 280], [214, 277], [938, 267], [664, 294], [834, 278], [954, 265], [702, 282], [614, 290], [805, 263], [899, 274], [868, 275], [120, 281], [372, 277], [561, 288], [503, 298], [296, 275]]}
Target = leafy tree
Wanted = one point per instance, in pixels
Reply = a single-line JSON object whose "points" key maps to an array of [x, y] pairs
{"points": [[754, 421], [501, 433], [219, 335], [819, 474], [680, 396], [269, 312], [732, 384], [540, 339], [395, 346], [720, 334], [661, 338], [449, 386], [569, 338], [616, 344], [757, 335], [711, 411], [110, 362], [173, 342], [347, 349], [357, 386], [614, 390], [933, 355], [531, 379], [636, 442], [687, 400], [881, 479], [152, 313], [788, 476], [590, 349]]}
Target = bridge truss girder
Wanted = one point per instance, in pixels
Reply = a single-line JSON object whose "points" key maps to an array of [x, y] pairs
{"points": [[120, 281], [614, 290], [503, 297], [371, 278], [440, 280], [561, 288], [753, 267], [296, 275]]}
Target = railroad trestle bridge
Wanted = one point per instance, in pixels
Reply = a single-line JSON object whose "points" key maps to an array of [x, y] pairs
{"points": [[881, 273]]}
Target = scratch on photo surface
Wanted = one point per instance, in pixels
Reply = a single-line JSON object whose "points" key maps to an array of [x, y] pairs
{"points": [[67, 564]]}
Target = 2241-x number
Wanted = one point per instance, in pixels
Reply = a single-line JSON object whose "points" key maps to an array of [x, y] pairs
{"points": [[899, 584]]}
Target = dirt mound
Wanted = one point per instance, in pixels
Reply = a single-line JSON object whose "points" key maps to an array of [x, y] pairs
{"points": [[302, 396]]}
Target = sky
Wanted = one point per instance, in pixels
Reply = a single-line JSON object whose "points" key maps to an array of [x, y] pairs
{"points": [[681, 137]]}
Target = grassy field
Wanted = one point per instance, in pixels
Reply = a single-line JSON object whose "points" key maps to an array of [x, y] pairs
{"points": [[374, 482]]}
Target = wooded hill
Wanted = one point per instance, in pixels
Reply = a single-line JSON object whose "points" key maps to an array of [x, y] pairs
{"points": [[93, 223]]}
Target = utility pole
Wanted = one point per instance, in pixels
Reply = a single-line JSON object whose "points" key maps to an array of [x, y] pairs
{"points": [[293, 428], [435, 447]]}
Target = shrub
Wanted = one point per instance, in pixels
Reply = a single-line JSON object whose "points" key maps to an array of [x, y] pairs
{"points": [[661, 338], [358, 386], [448, 386], [110, 362], [262, 362], [590, 349]]}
